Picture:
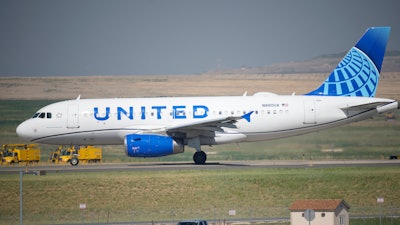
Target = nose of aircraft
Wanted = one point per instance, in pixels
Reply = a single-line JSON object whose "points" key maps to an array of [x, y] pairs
{"points": [[23, 131]]}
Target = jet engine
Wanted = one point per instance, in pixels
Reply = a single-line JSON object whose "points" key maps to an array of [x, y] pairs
{"points": [[151, 145]]}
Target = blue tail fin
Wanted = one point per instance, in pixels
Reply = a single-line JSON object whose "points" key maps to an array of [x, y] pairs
{"points": [[358, 72]]}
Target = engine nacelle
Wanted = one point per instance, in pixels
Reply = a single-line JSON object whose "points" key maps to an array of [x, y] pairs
{"points": [[151, 145]]}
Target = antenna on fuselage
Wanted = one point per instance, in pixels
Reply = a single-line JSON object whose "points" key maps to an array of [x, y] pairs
{"points": [[79, 97]]}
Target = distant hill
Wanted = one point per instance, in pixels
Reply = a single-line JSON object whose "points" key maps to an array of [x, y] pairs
{"points": [[321, 64]]}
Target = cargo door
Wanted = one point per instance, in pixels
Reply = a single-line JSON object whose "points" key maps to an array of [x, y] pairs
{"points": [[310, 112], [73, 116]]}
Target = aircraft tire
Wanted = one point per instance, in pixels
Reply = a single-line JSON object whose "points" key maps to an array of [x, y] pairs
{"points": [[200, 158], [74, 161]]}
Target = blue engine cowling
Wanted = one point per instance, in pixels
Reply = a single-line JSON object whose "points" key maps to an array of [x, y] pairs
{"points": [[151, 145]]}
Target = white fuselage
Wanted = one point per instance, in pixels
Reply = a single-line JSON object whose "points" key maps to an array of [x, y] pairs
{"points": [[108, 121]]}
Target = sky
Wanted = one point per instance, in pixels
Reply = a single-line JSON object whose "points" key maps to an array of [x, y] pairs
{"points": [[140, 37]]}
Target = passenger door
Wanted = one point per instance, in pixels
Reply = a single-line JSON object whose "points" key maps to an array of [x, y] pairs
{"points": [[73, 116], [310, 112]]}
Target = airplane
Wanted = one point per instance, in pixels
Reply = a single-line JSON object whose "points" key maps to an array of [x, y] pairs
{"points": [[154, 127]]}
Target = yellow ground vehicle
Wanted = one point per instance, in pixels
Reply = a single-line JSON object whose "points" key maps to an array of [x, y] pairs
{"points": [[86, 154], [16, 153], [55, 156]]}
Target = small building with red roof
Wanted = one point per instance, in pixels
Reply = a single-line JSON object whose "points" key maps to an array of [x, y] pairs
{"points": [[327, 212]]}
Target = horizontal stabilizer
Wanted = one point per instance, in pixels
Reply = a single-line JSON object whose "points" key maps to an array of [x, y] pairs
{"points": [[366, 106]]}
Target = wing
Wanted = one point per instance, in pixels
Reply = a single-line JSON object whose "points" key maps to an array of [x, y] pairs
{"points": [[206, 127], [217, 129]]}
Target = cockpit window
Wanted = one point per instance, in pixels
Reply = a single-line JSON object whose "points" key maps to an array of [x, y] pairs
{"points": [[43, 115]]}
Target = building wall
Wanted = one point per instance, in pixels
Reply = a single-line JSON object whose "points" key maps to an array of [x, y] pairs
{"points": [[296, 218], [345, 215]]}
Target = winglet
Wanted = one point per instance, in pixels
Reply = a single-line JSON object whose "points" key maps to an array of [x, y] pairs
{"points": [[358, 72], [247, 116]]}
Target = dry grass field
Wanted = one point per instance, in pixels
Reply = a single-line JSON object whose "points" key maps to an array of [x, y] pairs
{"points": [[60, 88]]}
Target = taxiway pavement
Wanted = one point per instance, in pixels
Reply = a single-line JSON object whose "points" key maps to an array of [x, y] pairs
{"points": [[158, 166]]}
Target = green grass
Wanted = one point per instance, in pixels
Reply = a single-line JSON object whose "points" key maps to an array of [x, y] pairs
{"points": [[210, 194], [372, 139]]}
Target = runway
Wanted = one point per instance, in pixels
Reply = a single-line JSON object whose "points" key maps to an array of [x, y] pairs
{"points": [[162, 166]]}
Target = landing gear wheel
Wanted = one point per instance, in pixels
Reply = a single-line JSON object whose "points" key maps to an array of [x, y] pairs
{"points": [[199, 158], [74, 161]]}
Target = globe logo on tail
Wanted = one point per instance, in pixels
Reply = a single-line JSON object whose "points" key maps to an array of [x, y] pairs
{"points": [[358, 72], [356, 75]]}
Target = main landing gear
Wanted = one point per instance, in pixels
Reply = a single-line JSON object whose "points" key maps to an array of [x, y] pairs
{"points": [[199, 157]]}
